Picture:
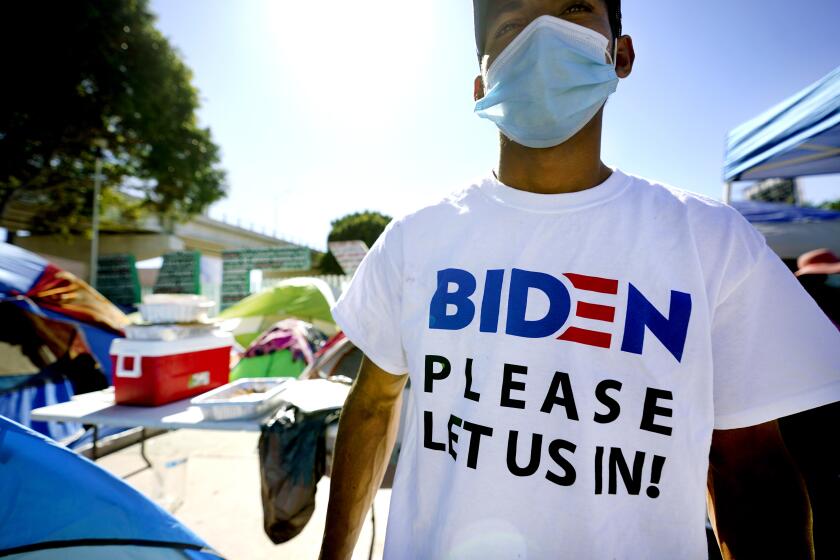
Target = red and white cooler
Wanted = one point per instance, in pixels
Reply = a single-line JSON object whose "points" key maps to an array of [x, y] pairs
{"points": [[156, 372]]}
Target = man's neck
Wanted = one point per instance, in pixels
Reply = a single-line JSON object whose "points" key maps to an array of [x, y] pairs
{"points": [[572, 166]]}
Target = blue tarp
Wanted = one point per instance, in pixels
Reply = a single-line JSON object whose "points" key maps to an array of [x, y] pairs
{"points": [[775, 212], [56, 500], [799, 136], [19, 269], [20, 403]]}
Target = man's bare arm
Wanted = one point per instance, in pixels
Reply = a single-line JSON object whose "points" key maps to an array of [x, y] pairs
{"points": [[366, 434], [757, 500]]}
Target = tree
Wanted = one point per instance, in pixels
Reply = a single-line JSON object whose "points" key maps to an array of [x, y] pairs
{"points": [[366, 226], [831, 204], [76, 73]]}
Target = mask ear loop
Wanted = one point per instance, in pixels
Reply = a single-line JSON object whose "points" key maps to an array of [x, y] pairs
{"points": [[614, 54]]}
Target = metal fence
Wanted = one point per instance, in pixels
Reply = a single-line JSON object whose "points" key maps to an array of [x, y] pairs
{"points": [[337, 283]]}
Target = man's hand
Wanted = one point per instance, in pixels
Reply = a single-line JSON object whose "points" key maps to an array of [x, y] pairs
{"points": [[758, 504], [366, 434]]}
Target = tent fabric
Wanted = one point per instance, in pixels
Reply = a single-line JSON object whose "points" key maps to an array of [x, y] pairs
{"points": [[62, 292], [776, 212], [799, 136], [20, 403], [338, 357], [97, 340], [53, 498], [52, 318], [19, 269], [298, 336], [276, 364], [307, 299], [329, 344], [302, 298], [42, 339], [26, 326], [26, 275], [284, 350], [105, 552], [42, 289], [48, 362]]}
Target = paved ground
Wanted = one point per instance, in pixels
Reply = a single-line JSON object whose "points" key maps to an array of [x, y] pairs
{"points": [[220, 486]]}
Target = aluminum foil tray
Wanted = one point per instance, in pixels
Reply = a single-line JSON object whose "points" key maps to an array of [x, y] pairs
{"points": [[168, 333], [245, 398]]}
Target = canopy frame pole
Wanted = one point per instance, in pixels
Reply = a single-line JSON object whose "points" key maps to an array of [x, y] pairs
{"points": [[727, 192]]}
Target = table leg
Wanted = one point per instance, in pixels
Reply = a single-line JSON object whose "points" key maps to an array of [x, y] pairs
{"points": [[143, 448], [372, 530], [143, 455], [95, 448]]}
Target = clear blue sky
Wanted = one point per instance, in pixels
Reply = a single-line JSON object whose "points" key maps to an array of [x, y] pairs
{"points": [[324, 108]]}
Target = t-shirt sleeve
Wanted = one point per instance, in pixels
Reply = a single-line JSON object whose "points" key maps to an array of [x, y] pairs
{"points": [[370, 309], [775, 352]]}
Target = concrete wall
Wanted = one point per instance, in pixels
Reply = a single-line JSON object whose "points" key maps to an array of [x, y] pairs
{"points": [[142, 246]]}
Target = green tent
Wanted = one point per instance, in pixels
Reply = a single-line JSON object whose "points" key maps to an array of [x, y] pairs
{"points": [[307, 299], [276, 364]]}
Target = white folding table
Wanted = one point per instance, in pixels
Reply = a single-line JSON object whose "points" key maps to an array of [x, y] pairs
{"points": [[99, 409]]}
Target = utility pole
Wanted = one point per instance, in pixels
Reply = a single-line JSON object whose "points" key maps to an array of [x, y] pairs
{"points": [[99, 145]]}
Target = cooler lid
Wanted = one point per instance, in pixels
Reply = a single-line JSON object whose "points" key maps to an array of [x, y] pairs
{"points": [[156, 348]]}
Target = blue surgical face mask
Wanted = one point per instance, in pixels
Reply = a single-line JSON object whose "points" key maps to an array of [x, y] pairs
{"points": [[548, 82]]}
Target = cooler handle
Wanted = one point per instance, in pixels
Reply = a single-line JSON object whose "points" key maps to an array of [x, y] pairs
{"points": [[134, 361]]}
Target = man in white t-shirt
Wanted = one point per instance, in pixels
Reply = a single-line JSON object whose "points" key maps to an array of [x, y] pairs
{"points": [[588, 351]]}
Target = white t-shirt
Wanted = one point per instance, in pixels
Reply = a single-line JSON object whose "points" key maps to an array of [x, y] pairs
{"points": [[570, 355]]}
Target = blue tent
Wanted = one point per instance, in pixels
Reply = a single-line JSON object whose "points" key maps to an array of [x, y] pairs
{"points": [[799, 136], [776, 212], [56, 504]]}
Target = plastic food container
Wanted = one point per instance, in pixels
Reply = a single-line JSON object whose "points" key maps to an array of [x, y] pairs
{"points": [[175, 308], [245, 398]]}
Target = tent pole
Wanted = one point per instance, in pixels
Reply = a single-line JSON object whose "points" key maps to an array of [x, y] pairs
{"points": [[727, 192]]}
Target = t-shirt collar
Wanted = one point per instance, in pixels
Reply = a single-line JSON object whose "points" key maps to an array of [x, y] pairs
{"points": [[613, 186]]}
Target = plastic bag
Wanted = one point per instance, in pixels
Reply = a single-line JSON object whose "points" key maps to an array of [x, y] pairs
{"points": [[292, 461]]}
